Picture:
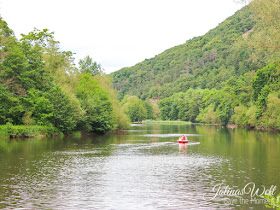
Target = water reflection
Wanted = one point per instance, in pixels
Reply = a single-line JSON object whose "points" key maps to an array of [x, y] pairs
{"points": [[183, 148], [136, 170]]}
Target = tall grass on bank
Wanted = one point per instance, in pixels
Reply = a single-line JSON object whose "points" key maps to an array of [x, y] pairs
{"points": [[12, 131]]}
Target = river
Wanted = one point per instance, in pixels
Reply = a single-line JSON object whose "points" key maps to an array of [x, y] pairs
{"points": [[142, 168]]}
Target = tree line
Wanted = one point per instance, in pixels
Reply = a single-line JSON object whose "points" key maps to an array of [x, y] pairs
{"points": [[228, 76], [41, 85], [251, 100]]}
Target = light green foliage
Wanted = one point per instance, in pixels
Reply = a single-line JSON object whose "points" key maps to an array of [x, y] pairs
{"points": [[251, 116], [88, 66], [10, 130], [266, 37], [27, 119], [135, 108], [239, 117], [156, 111], [208, 115], [271, 117], [274, 201]]}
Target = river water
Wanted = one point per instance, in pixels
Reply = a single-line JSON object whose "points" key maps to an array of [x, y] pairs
{"points": [[142, 168]]}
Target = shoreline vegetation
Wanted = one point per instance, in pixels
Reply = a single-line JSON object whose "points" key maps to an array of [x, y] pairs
{"points": [[232, 126], [10, 131], [170, 122], [44, 93], [20, 131], [36, 131]]}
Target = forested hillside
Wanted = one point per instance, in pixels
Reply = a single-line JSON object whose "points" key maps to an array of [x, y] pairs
{"points": [[231, 75], [41, 86], [203, 62]]}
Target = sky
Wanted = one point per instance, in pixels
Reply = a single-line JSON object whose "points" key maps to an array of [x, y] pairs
{"points": [[117, 33]]}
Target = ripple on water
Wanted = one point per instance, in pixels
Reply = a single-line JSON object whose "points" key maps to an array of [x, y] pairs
{"points": [[131, 177], [168, 135]]}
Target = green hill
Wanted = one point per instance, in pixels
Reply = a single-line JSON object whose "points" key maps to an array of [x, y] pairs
{"points": [[203, 62], [231, 75]]}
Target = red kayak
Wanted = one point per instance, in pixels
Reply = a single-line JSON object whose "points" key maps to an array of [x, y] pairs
{"points": [[183, 141]]}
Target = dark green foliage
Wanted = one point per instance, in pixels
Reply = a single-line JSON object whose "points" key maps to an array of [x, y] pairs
{"points": [[63, 112], [149, 108], [264, 76], [99, 111], [225, 112], [40, 106], [11, 108]]}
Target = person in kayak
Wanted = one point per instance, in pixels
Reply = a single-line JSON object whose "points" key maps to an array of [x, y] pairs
{"points": [[183, 138]]}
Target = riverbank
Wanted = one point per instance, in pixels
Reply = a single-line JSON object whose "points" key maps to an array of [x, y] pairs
{"points": [[166, 122], [232, 126], [22, 131], [263, 128], [35, 131]]}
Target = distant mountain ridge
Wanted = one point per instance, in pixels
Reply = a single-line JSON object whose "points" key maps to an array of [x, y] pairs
{"points": [[206, 61]]}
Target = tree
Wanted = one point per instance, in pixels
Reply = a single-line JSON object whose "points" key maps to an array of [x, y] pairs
{"points": [[63, 116], [39, 105], [264, 76], [122, 121], [149, 108], [87, 65], [239, 117], [156, 111], [135, 109], [225, 112], [99, 115], [11, 109], [271, 117]]}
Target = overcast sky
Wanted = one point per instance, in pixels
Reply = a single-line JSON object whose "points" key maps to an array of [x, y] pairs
{"points": [[117, 33]]}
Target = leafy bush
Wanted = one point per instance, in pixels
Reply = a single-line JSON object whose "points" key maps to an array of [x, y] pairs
{"points": [[10, 130], [274, 202]]}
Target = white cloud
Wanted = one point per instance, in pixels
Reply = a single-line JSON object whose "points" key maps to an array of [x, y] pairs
{"points": [[117, 33]]}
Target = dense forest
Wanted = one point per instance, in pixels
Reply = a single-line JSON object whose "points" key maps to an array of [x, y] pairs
{"points": [[228, 76], [202, 62], [43, 91]]}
